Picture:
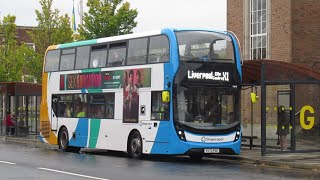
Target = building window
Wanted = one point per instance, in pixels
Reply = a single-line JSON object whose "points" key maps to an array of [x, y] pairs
{"points": [[258, 29], [31, 45]]}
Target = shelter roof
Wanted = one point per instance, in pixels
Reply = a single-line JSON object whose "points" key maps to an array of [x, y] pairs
{"points": [[276, 71], [20, 89]]}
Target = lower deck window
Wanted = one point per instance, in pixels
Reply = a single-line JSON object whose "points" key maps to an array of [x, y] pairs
{"points": [[99, 106], [159, 109]]}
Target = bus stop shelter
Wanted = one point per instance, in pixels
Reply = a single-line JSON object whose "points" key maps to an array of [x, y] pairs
{"points": [[22, 100], [295, 87]]}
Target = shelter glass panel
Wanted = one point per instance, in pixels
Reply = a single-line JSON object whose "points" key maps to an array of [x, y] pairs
{"points": [[278, 126], [307, 117]]}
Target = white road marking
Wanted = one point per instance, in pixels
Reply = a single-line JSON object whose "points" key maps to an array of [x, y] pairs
{"points": [[69, 173], [6, 162]]}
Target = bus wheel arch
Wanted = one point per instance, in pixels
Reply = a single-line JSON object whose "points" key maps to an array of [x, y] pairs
{"points": [[63, 139], [134, 144]]}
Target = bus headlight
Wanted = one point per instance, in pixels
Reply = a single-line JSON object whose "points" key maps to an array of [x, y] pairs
{"points": [[180, 133], [237, 136]]}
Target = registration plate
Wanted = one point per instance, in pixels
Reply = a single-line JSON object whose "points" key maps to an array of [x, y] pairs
{"points": [[211, 151]]}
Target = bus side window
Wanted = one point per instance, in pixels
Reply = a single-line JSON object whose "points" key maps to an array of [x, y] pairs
{"points": [[67, 59], [65, 104], [98, 56], [80, 105], [159, 109], [97, 106], [137, 51], [52, 61], [82, 59], [110, 105], [117, 54], [68, 110], [54, 104], [158, 49]]}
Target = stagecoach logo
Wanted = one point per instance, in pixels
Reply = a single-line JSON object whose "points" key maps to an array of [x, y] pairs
{"points": [[216, 76], [212, 139]]}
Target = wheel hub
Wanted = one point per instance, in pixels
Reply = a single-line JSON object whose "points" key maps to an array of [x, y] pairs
{"points": [[135, 145]]}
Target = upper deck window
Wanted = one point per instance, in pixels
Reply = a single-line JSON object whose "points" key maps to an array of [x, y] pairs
{"points": [[98, 56], [205, 46], [137, 52], [52, 61], [82, 61], [67, 59], [158, 49], [117, 54]]}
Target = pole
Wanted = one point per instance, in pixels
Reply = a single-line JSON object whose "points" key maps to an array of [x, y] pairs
{"points": [[263, 111], [251, 134], [292, 116], [81, 11]]}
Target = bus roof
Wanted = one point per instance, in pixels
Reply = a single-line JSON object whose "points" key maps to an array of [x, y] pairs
{"points": [[108, 39], [122, 37]]}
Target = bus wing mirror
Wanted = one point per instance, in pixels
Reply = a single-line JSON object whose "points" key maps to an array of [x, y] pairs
{"points": [[254, 97], [165, 96]]}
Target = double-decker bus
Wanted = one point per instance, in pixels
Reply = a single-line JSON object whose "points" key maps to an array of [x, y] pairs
{"points": [[172, 92]]}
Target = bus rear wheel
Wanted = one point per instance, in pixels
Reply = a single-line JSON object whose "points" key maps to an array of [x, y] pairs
{"points": [[135, 145], [63, 140]]}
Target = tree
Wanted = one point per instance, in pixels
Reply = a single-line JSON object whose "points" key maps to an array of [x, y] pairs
{"points": [[11, 58], [52, 29], [107, 18]]}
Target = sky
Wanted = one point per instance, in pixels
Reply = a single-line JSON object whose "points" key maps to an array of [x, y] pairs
{"points": [[152, 14]]}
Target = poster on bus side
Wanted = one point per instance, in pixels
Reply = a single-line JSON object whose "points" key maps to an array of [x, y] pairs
{"points": [[133, 80]]}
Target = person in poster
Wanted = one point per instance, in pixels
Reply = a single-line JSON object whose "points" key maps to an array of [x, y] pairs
{"points": [[131, 100], [138, 76]]}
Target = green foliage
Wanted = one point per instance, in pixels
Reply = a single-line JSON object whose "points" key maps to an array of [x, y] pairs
{"points": [[52, 29], [18, 60], [11, 55], [33, 62], [8, 31], [107, 18]]}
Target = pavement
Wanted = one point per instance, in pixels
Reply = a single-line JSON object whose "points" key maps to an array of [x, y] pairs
{"points": [[306, 160], [289, 160]]}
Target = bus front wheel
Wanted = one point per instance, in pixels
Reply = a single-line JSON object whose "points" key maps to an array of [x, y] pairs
{"points": [[64, 140], [135, 145]]}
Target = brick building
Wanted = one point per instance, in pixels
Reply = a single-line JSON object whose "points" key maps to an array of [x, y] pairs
{"points": [[282, 30], [286, 30], [23, 36]]}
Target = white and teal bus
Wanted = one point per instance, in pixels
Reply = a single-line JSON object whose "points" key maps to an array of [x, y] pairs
{"points": [[171, 92]]}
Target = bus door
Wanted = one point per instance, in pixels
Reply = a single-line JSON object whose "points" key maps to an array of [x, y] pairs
{"points": [[54, 112], [159, 117]]}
